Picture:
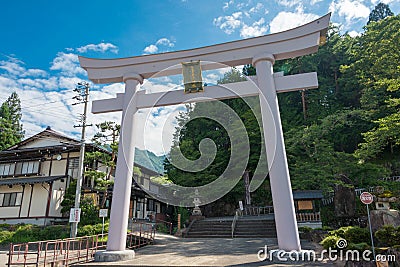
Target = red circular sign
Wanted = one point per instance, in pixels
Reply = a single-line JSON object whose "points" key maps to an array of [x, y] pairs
{"points": [[366, 198]]}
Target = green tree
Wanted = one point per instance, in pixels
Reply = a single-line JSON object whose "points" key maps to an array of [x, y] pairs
{"points": [[68, 201], [11, 131], [190, 132], [108, 137], [380, 12], [378, 71]]}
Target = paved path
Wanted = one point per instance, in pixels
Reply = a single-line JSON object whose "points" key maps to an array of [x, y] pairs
{"points": [[3, 258], [172, 251]]}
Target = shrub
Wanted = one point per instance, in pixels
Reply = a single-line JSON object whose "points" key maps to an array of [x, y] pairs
{"points": [[388, 235], [357, 235], [162, 228], [5, 236], [54, 232], [90, 212], [330, 242], [305, 229], [361, 247], [92, 229], [352, 234], [25, 233]]}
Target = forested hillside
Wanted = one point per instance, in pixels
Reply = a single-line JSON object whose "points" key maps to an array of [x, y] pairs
{"points": [[348, 127]]}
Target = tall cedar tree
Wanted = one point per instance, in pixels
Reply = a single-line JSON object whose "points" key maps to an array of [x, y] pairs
{"points": [[11, 131]]}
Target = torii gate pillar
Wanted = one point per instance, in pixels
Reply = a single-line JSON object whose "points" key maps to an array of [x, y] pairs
{"points": [[116, 244], [126, 154], [285, 216]]}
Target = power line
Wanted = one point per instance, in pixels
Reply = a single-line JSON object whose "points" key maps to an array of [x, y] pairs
{"points": [[46, 103]]}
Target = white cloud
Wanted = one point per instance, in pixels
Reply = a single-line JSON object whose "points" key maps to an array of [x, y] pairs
{"points": [[354, 33], [288, 3], [165, 42], [288, 20], [12, 66], [158, 126], [313, 2], [35, 73], [229, 23], [151, 49], [67, 63], [350, 10], [256, 29], [227, 4], [257, 8], [68, 82], [154, 48], [101, 47], [375, 2]]}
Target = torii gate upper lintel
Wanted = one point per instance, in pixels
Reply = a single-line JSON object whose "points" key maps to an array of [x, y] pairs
{"points": [[262, 53]]}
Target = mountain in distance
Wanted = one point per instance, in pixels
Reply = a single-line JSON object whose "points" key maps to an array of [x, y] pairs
{"points": [[150, 160]]}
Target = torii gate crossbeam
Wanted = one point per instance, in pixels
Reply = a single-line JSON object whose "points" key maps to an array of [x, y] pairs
{"points": [[262, 53]]}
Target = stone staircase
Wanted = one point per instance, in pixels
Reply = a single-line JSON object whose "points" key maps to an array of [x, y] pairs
{"points": [[211, 228], [254, 227], [247, 226]]}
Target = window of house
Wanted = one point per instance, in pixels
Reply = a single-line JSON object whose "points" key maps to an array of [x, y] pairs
{"points": [[11, 199], [150, 205], [27, 167], [7, 169], [73, 167]]}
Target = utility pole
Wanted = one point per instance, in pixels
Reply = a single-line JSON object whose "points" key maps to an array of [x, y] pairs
{"points": [[82, 90]]}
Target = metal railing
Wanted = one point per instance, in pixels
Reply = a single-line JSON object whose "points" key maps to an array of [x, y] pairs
{"points": [[256, 211], [73, 250], [235, 218], [392, 179]]}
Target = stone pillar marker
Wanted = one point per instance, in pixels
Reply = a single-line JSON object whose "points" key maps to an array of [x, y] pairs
{"points": [[285, 216], [116, 244]]}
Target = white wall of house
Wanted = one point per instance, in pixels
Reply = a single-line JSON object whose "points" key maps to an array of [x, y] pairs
{"points": [[49, 141], [39, 200], [58, 192], [26, 200]]}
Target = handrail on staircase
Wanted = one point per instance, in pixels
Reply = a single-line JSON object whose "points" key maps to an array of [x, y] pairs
{"points": [[255, 211], [234, 222]]}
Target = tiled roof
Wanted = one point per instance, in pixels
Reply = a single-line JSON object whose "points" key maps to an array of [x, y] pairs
{"points": [[307, 194], [30, 180]]}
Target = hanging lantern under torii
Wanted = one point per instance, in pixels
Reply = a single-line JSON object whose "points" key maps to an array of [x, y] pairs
{"points": [[192, 78]]}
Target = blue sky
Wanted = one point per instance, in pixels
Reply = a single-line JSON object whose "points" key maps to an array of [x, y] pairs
{"points": [[40, 41]]}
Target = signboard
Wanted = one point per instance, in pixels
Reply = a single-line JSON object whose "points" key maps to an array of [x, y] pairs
{"points": [[192, 78], [75, 215], [241, 205], [366, 198], [103, 213]]}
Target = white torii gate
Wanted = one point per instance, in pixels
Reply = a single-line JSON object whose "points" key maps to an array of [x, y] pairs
{"points": [[262, 52]]}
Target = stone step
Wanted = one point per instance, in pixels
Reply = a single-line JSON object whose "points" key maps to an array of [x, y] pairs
{"points": [[253, 235], [245, 227], [209, 236]]}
